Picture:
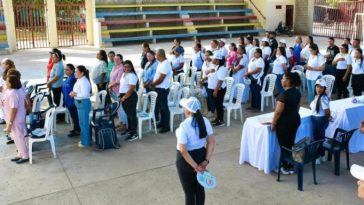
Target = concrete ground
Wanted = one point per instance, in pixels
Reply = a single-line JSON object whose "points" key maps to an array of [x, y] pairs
{"points": [[143, 172]]}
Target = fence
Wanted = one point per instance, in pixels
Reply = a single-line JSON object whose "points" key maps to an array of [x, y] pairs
{"points": [[337, 19]]}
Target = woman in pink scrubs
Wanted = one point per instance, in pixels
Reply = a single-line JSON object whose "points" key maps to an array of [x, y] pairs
{"points": [[15, 112]]}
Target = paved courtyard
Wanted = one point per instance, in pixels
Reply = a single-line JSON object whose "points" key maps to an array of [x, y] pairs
{"points": [[143, 172]]}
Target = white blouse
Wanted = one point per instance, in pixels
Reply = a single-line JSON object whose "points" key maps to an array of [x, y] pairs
{"points": [[358, 67], [82, 88], [126, 80], [277, 65], [315, 61]]}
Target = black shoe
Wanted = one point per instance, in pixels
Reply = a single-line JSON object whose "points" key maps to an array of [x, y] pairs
{"points": [[219, 124], [2, 122], [21, 161], [10, 142], [163, 130], [133, 137], [15, 159], [125, 133], [74, 134], [214, 121]]}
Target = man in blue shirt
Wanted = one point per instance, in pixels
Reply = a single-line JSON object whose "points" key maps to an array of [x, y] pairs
{"points": [[198, 60]]}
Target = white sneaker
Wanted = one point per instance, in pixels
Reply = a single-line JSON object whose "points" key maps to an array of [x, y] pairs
{"points": [[80, 145], [284, 172], [318, 161], [323, 159]]}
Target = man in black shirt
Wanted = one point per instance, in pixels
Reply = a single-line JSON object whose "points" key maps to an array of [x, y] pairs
{"points": [[144, 59], [331, 52], [273, 44]]}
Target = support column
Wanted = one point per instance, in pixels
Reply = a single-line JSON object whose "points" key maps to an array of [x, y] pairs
{"points": [[310, 16], [52, 23], [90, 16], [10, 24]]}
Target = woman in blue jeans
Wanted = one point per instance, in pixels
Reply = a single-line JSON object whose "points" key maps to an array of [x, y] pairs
{"points": [[321, 116], [81, 93]]}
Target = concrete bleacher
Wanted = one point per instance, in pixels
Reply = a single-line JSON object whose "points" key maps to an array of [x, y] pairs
{"points": [[123, 22], [3, 38]]}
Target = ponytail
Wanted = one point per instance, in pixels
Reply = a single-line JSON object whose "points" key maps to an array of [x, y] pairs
{"points": [[198, 121], [85, 72]]}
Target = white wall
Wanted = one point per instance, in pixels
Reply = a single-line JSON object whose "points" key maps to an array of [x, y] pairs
{"points": [[273, 15]]}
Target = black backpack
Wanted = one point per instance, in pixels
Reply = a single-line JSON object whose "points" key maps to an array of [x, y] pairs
{"points": [[103, 124]]}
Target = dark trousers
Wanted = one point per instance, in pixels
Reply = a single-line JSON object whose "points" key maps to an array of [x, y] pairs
{"points": [[210, 99], [357, 83], [256, 96], [319, 125], [194, 192], [162, 106], [74, 115], [219, 101], [101, 86], [286, 133], [129, 106], [329, 70], [342, 90], [57, 92]]}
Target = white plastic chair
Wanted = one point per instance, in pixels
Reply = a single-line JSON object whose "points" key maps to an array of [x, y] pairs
{"points": [[229, 85], [173, 91], [196, 87], [298, 67], [140, 94], [37, 102], [62, 110], [237, 105], [100, 103], [177, 110], [303, 77], [271, 78], [43, 134], [330, 80], [94, 91], [181, 77], [189, 81], [150, 101]]}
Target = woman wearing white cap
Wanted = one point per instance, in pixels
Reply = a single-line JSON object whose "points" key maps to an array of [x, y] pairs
{"points": [[195, 145], [321, 116]]}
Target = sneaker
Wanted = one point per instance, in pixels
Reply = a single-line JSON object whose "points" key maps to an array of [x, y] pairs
{"points": [[219, 124], [133, 137], [285, 171], [80, 145], [318, 161], [126, 132], [10, 142], [323, 159]]}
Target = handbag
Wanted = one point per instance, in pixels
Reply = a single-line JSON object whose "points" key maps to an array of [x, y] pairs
{"points": [[298, 150]]}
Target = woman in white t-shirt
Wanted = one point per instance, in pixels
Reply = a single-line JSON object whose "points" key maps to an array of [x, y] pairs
{"points": [[239, 71], [321, 116], [216, 85], [207, 68], [129, 84], [342, 62], [195, 145], [305, 52], [267, 52], [357, 72], [98, 72], [255, 74], [314, 67], [280, 67]]}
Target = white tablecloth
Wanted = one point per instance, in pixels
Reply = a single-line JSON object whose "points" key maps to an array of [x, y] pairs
{"points": [[259, 145], [347, 115]]}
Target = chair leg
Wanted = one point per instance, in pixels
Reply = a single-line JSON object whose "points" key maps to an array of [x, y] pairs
{"points": [[235, 114], [262, 104], [155, 125], [51, 140], [272, 101], [347, 159], [299, 170], [30, 148], [329, 155], [228, 117], [171, 122], [241, 114], [337, 163], [314, 171], [140, 123], [150, 124]]}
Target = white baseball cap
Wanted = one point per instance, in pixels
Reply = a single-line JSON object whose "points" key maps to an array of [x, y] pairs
{"points": [[357, 171], [282, 41], [191, 104], [321, 82]]}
